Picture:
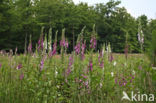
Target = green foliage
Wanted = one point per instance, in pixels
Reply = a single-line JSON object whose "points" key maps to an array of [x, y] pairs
{"points": [[19, 18]]}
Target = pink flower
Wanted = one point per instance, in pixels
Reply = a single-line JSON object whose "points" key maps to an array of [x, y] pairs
{"points": [[69, 65], [21, 76], [64, 43], [82, 51], [93, 42], [84, 76], [53, 52], [90, 66], [111, 58], [42, 63], [40, 43], [0, 65], [100, 59], [19, 66], [77, 48], [140, 67]]}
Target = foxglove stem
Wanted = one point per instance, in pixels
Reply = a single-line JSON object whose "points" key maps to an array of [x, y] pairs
{"points": [[126, 51], [93, 42], [69, 65], [30, 48], [0, 65], [42, 63], [111, 58], [82, 51], [77, 48], [53, 52], [90, 66], [21, 76]]}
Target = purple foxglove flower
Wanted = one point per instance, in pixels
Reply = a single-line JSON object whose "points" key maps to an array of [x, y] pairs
{"points": [[19, 66], [93, 42], [53, 52], [42, 63], [68, 71], [102, 64], [0, 65], [91, 66], [82, 51], [111, 58], [124, 83], [63, 43], [116, 81], [70, 61], [69, 65], [77, 48], [140, 67], [84, 76], [21, 76], [40, 43], [66, 44]]}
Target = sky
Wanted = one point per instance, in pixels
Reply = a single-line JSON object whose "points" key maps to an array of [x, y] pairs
{"points": [[134, 7]]}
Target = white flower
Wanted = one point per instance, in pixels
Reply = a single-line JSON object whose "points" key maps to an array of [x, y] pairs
{"points": [[125, 64], [114, 63], [112, 74], [100, 85], [133, 72]]}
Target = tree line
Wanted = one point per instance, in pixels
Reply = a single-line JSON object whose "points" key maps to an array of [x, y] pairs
{"points": [[21, 18]]}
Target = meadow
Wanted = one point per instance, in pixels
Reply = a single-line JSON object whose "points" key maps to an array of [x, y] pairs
{"points": [[100, 77]]}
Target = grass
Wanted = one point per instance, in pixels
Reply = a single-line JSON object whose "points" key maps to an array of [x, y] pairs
{"points": [[55, 84]]}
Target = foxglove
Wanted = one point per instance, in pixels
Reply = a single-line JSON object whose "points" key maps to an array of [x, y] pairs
{"points": [[93, 42]]}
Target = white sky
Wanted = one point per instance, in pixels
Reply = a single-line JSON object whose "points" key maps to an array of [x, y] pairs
{"points": [[134, 7]]}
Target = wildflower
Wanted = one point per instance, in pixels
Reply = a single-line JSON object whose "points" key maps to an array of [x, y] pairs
{"points": [[83, 50], [133, 72], [140, 67], [0, 65], [100, 59], [112, 74], [100, 55], [84, 76], [111, 58], [40, 43], [93, 42], [69, 65], [42, 63], [21, 76], [77, 48], [101, 85], [114, 63], [19, 66], [30, 48], [53, 52], [116, 81], [90, 66], [126, 51], [101, 64], [64, 43], [124, 83], [141, 37], [68, 71]]}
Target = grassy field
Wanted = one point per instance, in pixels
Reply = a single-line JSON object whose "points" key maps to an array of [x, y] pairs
{"points": [[98, 78]]}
